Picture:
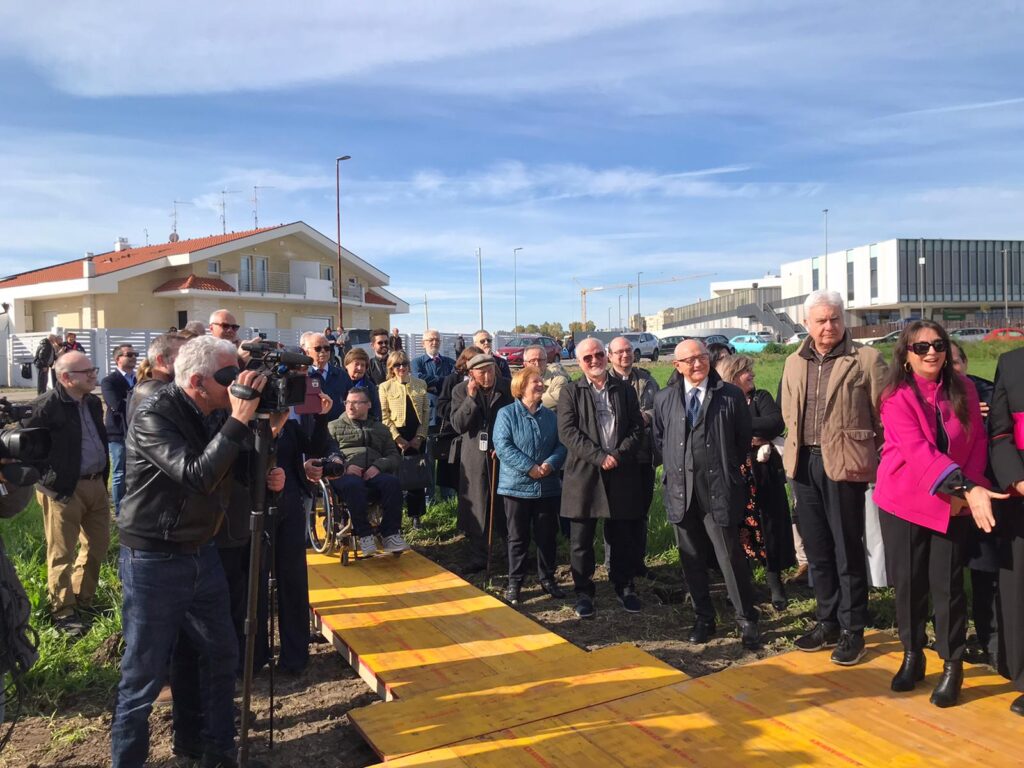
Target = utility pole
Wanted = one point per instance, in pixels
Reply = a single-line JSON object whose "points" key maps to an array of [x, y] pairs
{"points": [[480, 282], [824, 281], [515, 291], [640, 317], [426, 314], [337, 203]]}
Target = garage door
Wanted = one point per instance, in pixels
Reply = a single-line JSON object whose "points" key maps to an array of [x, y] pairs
{"points": [[310, 323], [261, 320]]}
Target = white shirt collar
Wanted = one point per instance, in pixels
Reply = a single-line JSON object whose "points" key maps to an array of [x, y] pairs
{"points": [[702, 388]]}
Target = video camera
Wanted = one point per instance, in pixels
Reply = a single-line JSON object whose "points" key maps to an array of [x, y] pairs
{"points": [[22, 447], [286, 385]]}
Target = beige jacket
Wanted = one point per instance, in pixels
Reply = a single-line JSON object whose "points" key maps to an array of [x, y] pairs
{"points": [[555, 378], [851, 433], [393, 404]]}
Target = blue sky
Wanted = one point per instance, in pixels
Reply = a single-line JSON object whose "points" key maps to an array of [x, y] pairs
{"points": [[603, 138]]}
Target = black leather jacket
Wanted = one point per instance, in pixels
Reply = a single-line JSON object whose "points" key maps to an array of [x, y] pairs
{"points": [[57, 411], [178, 479]]}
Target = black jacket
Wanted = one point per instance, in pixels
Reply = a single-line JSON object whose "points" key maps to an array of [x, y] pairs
{"points": [[1005, 455], [178, 479], [45, 354], [724, 427], [57, 411], [116, 392]]}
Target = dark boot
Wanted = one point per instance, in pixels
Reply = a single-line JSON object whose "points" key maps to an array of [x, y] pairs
{"points": [[779, 600], [947, 692], [910, 673]]}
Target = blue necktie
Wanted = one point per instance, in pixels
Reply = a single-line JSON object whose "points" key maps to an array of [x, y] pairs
{"points": [[693, 408]]}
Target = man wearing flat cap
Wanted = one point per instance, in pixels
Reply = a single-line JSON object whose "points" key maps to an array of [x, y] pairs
{"points": [[475, 404]]}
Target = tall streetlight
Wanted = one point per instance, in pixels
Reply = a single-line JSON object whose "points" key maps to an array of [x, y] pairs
{"points": [[620, 311], [639, 316], [480, 282], [337, 198], [515, 292], [825, 276], [920, 272]]}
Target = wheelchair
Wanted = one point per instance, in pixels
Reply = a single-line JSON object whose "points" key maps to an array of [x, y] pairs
{"points": [[329, 524]]}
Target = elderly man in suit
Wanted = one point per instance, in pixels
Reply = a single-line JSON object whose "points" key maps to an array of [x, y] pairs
{"points": [[702, 430], [600, 424], [117, 388]]}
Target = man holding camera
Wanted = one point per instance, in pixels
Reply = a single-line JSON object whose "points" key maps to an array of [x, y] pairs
{"points": [[72, 492], [179, 479]]}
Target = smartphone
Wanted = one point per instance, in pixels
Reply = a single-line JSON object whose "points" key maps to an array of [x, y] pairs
{"points": [[312, 402]]}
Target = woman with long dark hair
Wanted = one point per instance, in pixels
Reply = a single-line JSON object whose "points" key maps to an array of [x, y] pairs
{"points": [[931, 480]]}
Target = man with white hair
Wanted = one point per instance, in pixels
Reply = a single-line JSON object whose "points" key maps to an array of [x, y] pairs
{"points": [[223, 325], [179, 478], [72, 491], [485, 341], [830, 393], [332, 377], [554, 376]]}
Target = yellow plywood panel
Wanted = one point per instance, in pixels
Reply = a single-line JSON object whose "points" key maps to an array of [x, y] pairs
{"points": [[531, 692]]}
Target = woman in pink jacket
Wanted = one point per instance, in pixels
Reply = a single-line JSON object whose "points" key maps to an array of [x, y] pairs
{"points": [[931, 481]]}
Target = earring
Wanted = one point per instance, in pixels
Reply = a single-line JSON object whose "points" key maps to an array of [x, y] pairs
{"points": [[906, 366]]}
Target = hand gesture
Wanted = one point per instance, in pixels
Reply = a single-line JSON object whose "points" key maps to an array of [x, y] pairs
{"points": [[471, 387], [326, 403], [979, 499], [610, 462], [536, 472]]}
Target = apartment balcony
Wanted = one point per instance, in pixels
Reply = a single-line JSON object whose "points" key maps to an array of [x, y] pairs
{"points": [[272, 286]]}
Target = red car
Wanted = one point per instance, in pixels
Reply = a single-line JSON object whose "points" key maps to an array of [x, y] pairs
{"points": [[513, 350], [1004, 334]]}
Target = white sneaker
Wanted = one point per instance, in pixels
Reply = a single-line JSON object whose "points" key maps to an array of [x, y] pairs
{"points": [[368, 546], [395, 543]]}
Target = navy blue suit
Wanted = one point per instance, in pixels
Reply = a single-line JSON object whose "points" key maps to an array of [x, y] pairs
{"points": [[433, 372]]}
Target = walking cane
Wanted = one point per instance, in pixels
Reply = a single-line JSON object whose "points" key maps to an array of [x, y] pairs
{"points": [[490, 524]]}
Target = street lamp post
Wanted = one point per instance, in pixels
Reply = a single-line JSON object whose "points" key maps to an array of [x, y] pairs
{"points": [[639, 316], [920, 273], [515, 292], [620, 311], [480, 282], [337, 199], [824, 281]]}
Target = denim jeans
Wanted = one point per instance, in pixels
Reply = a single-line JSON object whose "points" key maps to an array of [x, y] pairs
{"points": [[165, 594], [357, 494], [117, 455]]}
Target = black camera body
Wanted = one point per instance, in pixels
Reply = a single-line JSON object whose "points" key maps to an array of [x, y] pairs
{"points": [[286, 384], [27, 449]]}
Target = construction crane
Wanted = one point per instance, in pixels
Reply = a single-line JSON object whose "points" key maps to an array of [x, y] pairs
{"points": [[629, 287]]}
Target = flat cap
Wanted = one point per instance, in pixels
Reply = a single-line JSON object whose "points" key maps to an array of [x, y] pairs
{"points": [[479, 361]]}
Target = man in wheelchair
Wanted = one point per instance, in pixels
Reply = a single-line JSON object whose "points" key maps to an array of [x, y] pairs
{"points": [[371, 470]]}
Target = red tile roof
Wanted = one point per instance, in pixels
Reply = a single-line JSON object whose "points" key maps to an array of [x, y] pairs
{"points": [[372, 298], [112, 261], [195, 282]]}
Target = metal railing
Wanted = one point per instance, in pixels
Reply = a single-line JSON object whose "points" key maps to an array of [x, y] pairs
{"points": [[264, 283]]}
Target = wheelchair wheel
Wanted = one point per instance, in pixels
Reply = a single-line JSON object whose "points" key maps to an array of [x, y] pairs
{"points": [[320, 520]]}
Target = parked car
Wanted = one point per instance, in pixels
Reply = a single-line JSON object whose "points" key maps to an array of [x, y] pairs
{"points": [[748, 342], [889, 338], [717, 338], [1004, 334], [644, 345], [512, 351], [969, 334], [797, 337], [766, 336], [667, 345]]}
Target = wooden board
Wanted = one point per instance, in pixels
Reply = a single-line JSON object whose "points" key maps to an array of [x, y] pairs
{"points": [[796, 709], [534, 692], [409, 626]]}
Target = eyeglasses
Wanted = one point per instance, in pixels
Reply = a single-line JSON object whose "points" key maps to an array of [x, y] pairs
{"points": [[379, 342], [588, 359], [356, 402], [87, 371], [232, 326], [325, 348], [626, 351], [689, 362], [921, 347], [485, 341]]}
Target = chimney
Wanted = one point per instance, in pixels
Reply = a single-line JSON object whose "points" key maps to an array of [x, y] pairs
{"points": [[88, 268], [121, 244]]}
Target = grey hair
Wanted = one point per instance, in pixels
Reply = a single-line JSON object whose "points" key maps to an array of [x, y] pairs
{"points": [[827, 298], [163, 345], [195, 327], [535, 346], [432, 332], [198, 356], [309, 336]]}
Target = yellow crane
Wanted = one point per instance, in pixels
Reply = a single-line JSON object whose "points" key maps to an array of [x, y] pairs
{"points": [[629, 287]]}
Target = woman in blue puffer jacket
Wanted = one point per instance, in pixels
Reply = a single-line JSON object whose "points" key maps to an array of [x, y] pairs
{"points": [[529, 456]]}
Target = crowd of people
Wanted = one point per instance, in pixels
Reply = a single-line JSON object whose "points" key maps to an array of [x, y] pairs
{"points": [[528, 456]]}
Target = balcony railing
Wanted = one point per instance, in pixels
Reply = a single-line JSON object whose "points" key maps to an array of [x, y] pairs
{"points": [[275, 283]]}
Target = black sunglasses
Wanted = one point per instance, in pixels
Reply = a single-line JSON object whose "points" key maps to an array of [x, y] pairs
{"points": [[921, 347], [322, 349], [595, 356], [232, 326]]}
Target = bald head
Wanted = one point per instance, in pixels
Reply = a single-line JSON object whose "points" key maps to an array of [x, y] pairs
{"points": [[593, 360], [223, 325], [76, 374], [692, 361], [620, 352]]}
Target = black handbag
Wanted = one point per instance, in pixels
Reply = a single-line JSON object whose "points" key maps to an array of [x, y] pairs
{"points": [[26, 370], [414, 472]]}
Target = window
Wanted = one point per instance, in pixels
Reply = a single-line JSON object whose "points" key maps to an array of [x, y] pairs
{"points": [[213, 266], [245, 273], [874, 277], [326, 272], [849, 280]]}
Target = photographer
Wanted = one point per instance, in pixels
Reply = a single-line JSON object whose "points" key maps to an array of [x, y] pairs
{"points": [[172, 579], [73, 490]]}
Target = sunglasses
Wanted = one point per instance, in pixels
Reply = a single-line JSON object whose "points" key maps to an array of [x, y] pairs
{"points": [[921, 347], [400, 365], [486, 341], [322, 349], [226, 375], [129, 354], [232, 326], [591, 358]]}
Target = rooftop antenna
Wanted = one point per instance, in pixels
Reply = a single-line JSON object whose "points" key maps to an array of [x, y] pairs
{"points": [[145, 231], [174, 217], [224, 206], [256, 204]]}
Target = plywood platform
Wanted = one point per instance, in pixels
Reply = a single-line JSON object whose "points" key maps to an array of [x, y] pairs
{"points": [[796, 709]]}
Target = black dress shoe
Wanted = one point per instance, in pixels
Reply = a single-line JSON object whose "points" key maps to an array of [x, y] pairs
{"points": [[512, 594], [750, 636], [584, 607], [947, 692], [701, 632], [550, 586], [910, 673], [1017, 707]]}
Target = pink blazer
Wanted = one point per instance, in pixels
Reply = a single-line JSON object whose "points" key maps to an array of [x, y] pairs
{"points": [[912, 467]]}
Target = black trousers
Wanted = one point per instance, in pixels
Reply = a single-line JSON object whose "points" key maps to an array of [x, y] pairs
{"points": [[42, 374], [919, 562], [699, 537], [831, 523], [623, 535], [1011, 593], [542, 516], [647, 491]]}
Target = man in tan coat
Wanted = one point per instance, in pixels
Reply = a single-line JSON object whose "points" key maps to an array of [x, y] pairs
{"points": [[830, 392]]}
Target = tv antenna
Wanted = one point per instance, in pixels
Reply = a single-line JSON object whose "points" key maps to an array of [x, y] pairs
{"points": [[174, 218], [224, 207], [256, 204], [145, 231]]}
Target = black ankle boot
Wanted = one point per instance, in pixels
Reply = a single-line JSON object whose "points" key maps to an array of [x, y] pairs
{"points": [[947, 692], [778, 592], [910, 673]]}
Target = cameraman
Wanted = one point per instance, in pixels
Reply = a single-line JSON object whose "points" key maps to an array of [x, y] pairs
{"points": [[172, 579], [73, 490]]}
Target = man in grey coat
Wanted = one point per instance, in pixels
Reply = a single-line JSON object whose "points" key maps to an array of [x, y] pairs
{"points": [[475, 404], [702, 430], [600, 424]]}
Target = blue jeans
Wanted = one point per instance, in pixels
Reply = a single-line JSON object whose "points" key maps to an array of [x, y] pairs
{"points": [[356, 493], [117, 474], [165, 594]]}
